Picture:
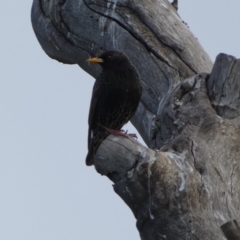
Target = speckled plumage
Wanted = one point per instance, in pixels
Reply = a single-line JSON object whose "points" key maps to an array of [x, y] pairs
{"points": [[115, 98]]}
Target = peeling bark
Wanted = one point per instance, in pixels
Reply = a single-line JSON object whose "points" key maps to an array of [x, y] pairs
{"points": [[185, 184]]}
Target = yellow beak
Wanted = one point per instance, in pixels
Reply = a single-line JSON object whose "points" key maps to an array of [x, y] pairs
{"points": [[95, 60]]}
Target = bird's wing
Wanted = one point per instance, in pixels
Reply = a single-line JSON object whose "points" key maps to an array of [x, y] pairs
{"points": [[97, 91]]}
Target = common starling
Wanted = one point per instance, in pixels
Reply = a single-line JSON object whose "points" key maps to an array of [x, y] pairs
{"points": [[115, 98]]}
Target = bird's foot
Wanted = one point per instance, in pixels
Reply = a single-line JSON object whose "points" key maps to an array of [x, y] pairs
{"points": [[133, 135], [120, 132]]}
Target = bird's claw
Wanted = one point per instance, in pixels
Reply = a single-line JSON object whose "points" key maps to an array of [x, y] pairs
{"points": [[120, 132]]}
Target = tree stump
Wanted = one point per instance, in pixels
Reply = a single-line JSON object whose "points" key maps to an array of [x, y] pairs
{"points": [[185, 184]]}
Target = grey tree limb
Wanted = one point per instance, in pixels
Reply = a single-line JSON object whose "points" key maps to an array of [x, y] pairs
{"points": [[185, 184]]}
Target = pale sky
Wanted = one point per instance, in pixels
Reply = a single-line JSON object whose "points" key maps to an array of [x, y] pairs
{"points": [[46, 191]]}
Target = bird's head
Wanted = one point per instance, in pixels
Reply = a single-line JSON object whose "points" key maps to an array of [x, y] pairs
{"points": [[111, 60]]}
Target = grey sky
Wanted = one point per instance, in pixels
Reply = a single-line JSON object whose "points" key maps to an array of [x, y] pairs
{"points": [[46, 191]]}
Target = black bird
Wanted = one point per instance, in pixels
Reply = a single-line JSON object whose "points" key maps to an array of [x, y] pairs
{"points": [[115, 98]]}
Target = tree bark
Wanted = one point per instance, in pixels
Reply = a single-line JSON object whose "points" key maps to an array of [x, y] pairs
{"points": [[231, 230], [185, 185]]}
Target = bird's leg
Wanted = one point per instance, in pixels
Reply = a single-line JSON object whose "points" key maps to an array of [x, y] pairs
{"points": [[120, 132]]}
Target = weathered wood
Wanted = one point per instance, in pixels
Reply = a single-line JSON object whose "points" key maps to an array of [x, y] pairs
{"points": [[187, 188], [189, 185], [158, 43], [224, 85], [231, 230]]}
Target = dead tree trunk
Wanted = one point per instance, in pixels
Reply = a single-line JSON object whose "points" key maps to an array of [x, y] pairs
{"points": [[186, 184]]}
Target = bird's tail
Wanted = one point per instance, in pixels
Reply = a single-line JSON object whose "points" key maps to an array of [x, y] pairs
{"points": [[99, 135], [90, 156]]}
